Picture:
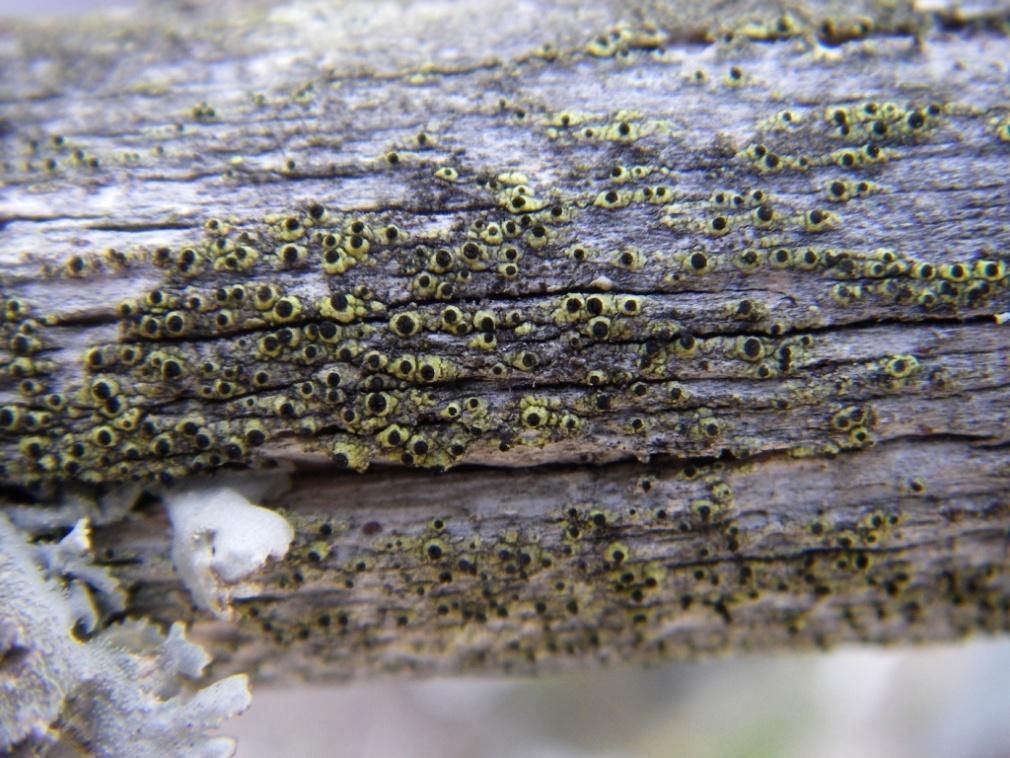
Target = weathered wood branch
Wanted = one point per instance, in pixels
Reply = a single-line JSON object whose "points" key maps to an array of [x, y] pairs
{"points": [[702, 307]]}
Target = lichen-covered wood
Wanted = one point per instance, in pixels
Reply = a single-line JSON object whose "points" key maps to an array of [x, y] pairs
{"points": [[705, 305]]}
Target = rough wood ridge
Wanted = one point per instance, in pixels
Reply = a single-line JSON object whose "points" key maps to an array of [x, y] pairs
{"points": [[638, 330]]}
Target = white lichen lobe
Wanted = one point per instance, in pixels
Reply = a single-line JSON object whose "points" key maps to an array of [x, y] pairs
{"points": [[219, 539], [129, 690], [69, 561]]}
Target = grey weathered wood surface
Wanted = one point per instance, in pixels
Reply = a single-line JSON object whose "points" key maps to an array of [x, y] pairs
{"points": [[734, 451]]}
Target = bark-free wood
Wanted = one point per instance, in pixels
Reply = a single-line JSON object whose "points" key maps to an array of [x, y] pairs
{"points": [[703, 304]]}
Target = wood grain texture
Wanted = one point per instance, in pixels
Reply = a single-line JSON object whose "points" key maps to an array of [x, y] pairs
{"points": [[702, 305]]}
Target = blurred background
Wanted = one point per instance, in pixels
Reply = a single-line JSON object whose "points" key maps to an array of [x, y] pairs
{"points": [[930, 702], [36, 8]]}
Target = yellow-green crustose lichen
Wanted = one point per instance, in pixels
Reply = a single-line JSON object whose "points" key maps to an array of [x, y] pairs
{"points": [[593, 291], [645, 243], [687, 561]]}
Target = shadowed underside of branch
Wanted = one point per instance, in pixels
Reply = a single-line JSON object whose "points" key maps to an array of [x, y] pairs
{"points": [[591, 331]]}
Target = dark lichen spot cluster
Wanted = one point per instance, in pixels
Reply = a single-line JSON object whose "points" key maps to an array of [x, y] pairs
{"points": [[598, 292], [673, 261], [300, 347], [679, 568]]}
